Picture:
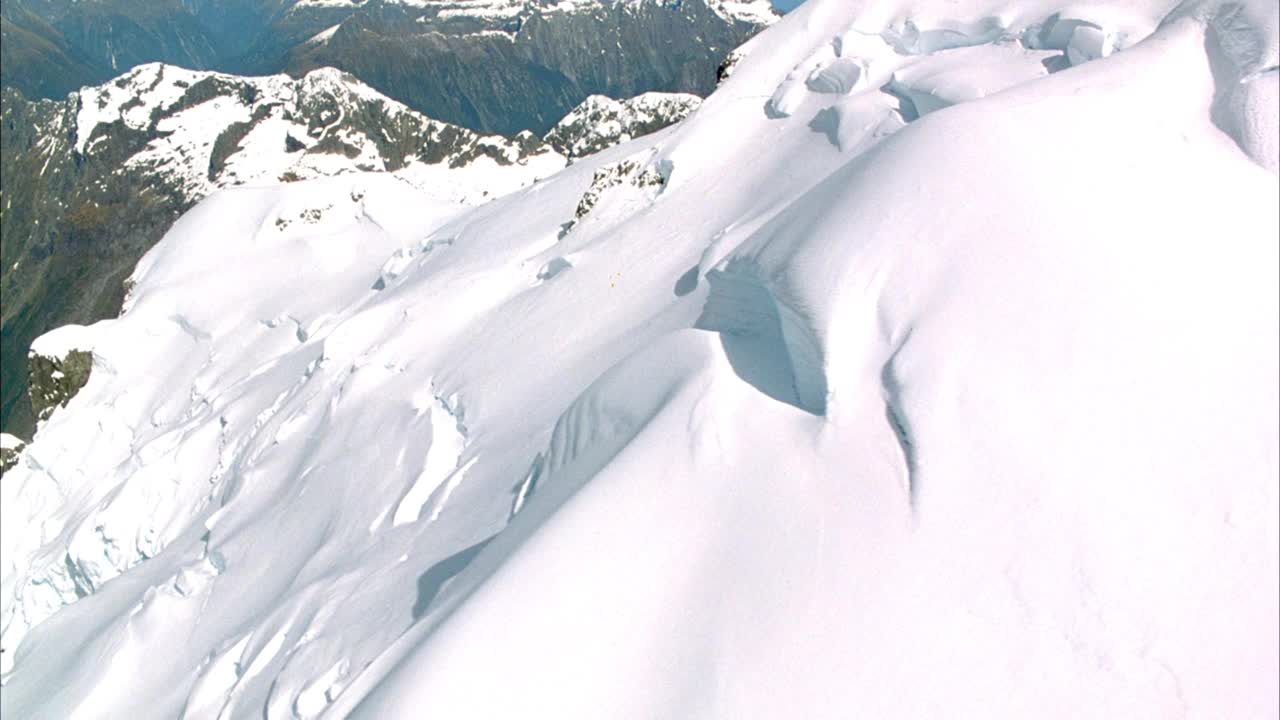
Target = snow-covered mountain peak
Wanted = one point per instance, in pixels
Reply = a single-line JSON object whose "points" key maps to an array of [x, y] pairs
{"points": [[753, 11], [601, 122], [206, 130], [113, 165], [756, 12], [507, 17], [130, 99], [881, 366]]}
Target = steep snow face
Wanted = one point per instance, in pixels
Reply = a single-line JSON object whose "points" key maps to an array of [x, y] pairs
{"points": [[771, 414]]}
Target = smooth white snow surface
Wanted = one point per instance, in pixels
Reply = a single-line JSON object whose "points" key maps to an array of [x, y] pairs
{"points": [[860, 412], [57, 343]]}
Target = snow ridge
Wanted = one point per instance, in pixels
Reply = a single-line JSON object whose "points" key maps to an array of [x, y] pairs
{"points": [[213, 130], [769, 414], [600, 122]]}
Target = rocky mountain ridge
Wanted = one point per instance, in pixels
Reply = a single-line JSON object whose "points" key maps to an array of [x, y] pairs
{"points": [[601, 122], [92, 182], [492, 65]]}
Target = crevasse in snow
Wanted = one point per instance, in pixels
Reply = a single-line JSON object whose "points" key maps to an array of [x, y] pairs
{"points": [[944, 386]]}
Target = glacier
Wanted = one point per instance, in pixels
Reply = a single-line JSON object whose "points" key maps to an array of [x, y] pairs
{"points": [[929, 368]]}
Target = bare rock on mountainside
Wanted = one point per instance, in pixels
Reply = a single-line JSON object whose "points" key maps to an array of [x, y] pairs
{"points": [[492, 65], [10, 449], [53, 381], [92, 182], [601, 122]]}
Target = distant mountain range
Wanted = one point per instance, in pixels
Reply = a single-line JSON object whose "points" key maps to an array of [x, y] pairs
{"points": [[92, 182], [93, 178], [490, 65]]}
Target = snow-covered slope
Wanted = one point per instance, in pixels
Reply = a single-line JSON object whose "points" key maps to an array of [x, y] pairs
{"points": [[929, 369], [92, 182], [600, 122], [232, 130], [114, 165]]}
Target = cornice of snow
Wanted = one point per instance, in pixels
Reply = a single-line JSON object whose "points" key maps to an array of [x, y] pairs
{"points": [[883, 365]]}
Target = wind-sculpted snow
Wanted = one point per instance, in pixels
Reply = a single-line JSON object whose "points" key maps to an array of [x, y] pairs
{"points": [[114, 165], [92, 182], [962, 411], [766, 339]]}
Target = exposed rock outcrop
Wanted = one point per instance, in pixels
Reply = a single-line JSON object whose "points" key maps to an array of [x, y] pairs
{"points": [[601, 122]]}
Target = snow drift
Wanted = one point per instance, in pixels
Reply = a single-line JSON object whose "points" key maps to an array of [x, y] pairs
{"points": [[942, 386]]}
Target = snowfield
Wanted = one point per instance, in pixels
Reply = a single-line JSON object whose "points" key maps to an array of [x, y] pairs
{"points": [[929, 369], [262, 130]]}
